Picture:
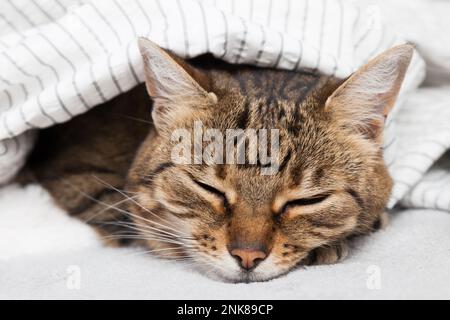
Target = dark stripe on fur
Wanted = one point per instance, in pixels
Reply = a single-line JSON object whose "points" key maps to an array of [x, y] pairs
{"points": [[355, 195], [159, 169], [285, 161]]}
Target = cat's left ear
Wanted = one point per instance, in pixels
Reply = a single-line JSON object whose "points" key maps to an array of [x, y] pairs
{"points": [[363, 101], [176, 88]]}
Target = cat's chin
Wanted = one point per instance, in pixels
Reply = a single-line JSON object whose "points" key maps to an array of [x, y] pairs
{"points": [[238, 276], [246, 277]]}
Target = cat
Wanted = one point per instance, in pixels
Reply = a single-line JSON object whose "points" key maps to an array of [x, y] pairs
{"points": [[113, 167]]}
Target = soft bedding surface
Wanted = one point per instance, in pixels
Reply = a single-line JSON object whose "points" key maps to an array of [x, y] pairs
{"points": [[45, 251]]}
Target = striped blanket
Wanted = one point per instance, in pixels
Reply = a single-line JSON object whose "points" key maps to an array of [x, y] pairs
{"points": [[59, 58]]}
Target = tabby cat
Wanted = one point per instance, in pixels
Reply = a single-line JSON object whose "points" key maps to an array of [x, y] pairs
{"points": [[113, 166]]}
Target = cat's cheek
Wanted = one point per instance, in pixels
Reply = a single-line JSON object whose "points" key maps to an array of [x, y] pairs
{"points": [[230, 267], [182, 227], [267, 269], [220, 267], [273, 267]]}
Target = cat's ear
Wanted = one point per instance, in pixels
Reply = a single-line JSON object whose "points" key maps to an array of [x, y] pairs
{"points": [[176, 88], [366, 97]]}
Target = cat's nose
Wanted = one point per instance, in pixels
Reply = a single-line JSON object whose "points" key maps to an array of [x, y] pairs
{"points": [[248, 258]]}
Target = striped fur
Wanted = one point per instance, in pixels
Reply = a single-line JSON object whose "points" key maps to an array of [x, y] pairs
{"points": [[332, 183]]}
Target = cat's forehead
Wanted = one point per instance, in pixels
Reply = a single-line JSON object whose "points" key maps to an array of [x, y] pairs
{"points": [[269, 98], [287, 102]]}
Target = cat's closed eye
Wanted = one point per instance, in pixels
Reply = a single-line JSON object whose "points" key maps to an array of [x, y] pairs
{"points": [[305, 201], [210, 189], [214, 191]]}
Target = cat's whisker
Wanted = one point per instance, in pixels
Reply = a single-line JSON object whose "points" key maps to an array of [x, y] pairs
{"points": [[127, 198], [134, 118], [137, 217], [112, 237], [142, 207], [164, 249], [148, 236], [170, 255], [186, 235], [108, 207], [169, 233], [179, 255], [169, 250], [127, 212], [149, 229], [214, 266], [186, 258], [172, 227], [140, 231], [204, 260], [145, 233]]}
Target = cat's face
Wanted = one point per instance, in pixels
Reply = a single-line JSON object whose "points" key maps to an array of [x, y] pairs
{"points": [[233, 221]]}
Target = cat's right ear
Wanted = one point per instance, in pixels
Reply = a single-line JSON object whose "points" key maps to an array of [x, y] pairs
{"points": [[176, 88], [363, 101]]}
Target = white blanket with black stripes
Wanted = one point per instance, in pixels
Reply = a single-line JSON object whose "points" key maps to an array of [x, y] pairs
{"points": [[59, 58]]}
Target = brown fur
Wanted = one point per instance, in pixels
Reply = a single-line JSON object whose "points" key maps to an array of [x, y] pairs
{"points": [[332, 183]]}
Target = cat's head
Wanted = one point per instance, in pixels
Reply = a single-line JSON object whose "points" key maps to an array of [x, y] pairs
{"points": [[232, 220]]}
